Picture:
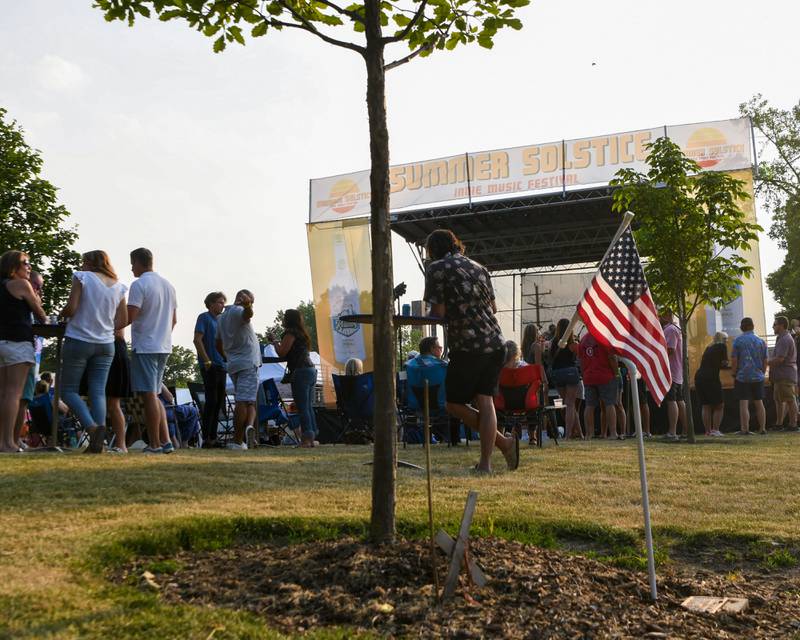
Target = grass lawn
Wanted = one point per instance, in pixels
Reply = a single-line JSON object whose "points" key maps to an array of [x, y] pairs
{"points": [[60, 514]]}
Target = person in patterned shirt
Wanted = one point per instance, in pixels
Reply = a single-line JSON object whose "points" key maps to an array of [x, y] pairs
{"points": [[460, 291]]}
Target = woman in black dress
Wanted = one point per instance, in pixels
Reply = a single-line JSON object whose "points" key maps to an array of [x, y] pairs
{"points": [[118, 386], [708, 385]]}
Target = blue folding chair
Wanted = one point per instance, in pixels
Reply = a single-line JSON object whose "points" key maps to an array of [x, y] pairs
{"points": [[418, 371], [355, 403], [273, 408]]}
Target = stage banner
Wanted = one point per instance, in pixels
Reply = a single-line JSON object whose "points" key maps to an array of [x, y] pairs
{"points": [[341, 279], [723, 145]]}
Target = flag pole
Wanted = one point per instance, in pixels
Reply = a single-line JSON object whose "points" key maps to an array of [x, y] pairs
{"points": [[648, 533], [626, 221]]}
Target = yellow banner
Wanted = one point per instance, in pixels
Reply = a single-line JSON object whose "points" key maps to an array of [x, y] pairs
{"points": [[341, 278]]}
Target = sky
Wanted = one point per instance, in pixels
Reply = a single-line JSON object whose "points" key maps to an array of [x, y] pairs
{"points": [[155, 141]]}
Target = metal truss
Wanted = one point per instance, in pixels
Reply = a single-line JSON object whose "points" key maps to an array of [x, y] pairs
{"points": [[535, 232]]}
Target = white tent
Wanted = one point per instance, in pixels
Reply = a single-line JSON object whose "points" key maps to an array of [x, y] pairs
{"points": [[276, 371]]}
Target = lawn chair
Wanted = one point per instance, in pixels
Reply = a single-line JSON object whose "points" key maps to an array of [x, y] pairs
{"points": [[225, 417], [355, 404], [417, 372], [520, 400], [70, 432], [275, 409], [184, 418]]}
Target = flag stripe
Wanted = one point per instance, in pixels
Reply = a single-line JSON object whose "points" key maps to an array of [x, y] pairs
{"points": [[617, 334], [604, 331], [632, 331]]}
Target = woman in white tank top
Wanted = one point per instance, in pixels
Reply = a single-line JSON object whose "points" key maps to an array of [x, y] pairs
{"points": [[96, 307]]}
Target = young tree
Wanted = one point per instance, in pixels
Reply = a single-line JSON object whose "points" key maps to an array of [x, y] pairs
{"points": [[422, 26], [778, 182], [690, 229], [31, 219], [181, 367]]}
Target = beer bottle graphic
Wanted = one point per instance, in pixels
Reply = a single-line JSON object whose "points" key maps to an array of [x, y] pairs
{"points": [[343, 294]]}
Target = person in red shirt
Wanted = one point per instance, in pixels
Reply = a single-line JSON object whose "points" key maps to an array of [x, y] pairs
{"points": [[600, 371]]}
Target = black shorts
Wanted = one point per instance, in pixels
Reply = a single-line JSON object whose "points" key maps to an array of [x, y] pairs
{"points": [[709, 390], [641, 387], [472, 374], [749, 390], [675, 393]]}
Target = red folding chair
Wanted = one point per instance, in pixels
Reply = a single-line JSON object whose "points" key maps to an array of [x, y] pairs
{"points": [[520, 399]]}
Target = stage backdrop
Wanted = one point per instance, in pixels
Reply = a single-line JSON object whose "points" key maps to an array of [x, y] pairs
{"points": [[724, 145], [341, 279]]}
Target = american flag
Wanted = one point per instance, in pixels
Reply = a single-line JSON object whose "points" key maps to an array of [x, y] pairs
{"points": [[620, 314]]}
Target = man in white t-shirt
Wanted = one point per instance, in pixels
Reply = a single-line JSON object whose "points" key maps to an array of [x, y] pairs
{"points": [[238, 344], [152, 313]]}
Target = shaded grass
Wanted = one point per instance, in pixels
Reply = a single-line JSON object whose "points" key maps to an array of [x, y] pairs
{"points": [[71, 517]]}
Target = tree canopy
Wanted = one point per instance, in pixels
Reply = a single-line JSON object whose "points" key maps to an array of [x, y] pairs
{"points": [[778, 182], [182, 367], [691, 228], [31, 220], [424, 25]]}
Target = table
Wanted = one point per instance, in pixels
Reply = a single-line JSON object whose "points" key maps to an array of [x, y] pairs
{"points": [[53, 331]]}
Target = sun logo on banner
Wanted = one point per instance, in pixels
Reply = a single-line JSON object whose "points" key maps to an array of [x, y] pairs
{"points": [[707, 147], [344, 195]]}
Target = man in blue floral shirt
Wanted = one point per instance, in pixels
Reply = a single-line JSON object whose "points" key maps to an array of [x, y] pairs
{"points": [[460, 291]]}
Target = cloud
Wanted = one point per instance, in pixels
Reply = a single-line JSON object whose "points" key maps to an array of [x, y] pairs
{"points": [[56, 74]]}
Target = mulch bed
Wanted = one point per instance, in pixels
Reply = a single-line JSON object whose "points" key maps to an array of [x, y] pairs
{"points": [[532, 592]]}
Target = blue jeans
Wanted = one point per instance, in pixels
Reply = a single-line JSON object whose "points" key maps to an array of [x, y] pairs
{"points": [[78, 356], [303, 382]]}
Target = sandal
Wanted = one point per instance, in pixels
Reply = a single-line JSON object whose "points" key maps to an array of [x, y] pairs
{"points": [[512, 458]]}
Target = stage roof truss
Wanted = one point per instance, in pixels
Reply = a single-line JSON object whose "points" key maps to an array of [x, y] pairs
{"points": [[549, 232]]}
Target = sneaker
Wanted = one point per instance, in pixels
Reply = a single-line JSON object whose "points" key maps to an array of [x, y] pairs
{"points": [[148, 450], [236, 446], [717, 434], [671, 436], [250, 437], [168, 448]]}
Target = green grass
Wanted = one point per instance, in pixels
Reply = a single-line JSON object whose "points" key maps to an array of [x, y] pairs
{"points": [[68, 519]]}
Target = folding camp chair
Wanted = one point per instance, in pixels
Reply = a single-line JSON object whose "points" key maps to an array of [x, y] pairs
{"points": [[273, 408], [70, 432], [225, 417], [355, 404], [520, 400], [417, 372]]}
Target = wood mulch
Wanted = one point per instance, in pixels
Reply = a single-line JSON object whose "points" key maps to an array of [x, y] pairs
{"points": [[532, 592]]}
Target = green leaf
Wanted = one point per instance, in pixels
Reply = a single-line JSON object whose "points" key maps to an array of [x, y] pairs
{"points": [[236, 33], [219, 44], [170, 15], [211, 29], [401, 20], [260, 29]]}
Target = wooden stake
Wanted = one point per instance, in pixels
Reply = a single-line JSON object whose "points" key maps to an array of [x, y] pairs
{"points": [[427, 436], [460, 546]]}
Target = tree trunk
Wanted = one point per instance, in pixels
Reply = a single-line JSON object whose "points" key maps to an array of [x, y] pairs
{"points": [[687, 388], [382, 522]]}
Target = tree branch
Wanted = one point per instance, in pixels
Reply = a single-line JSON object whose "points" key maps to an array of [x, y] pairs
{"points": [[425, 47], [781, 153], [407, 29], [353, 15], [306, 25]]}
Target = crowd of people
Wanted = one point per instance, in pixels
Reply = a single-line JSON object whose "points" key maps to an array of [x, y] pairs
{"points": [[96, 364], [97, 367]]}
